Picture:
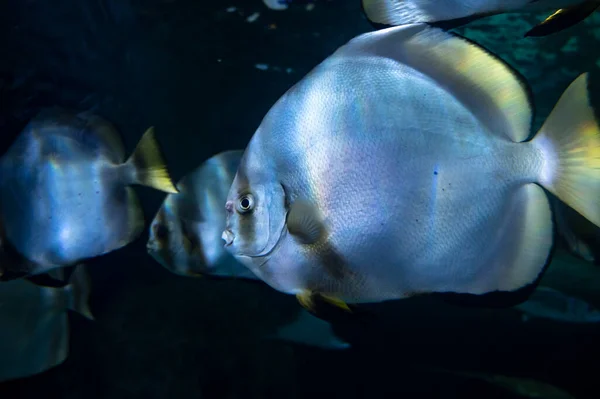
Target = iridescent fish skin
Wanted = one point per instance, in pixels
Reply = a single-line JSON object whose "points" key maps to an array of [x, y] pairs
{"points": [[401, 165], [453, 13], [65, 188]]}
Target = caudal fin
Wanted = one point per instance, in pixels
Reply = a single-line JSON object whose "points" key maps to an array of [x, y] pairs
{"points": [[147, 165], [569, 142], [78, 292]]}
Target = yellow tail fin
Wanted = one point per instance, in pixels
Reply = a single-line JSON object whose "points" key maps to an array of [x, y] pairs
{"points": [[149, 164], [570, 143]]}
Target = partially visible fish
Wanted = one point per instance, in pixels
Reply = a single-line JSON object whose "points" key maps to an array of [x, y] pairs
{"points": [[526, 387], [185, 234], [403, 164], [581, 236], [185, 237], [309, 330], [276, 4], [453, 13], [551, 304], [34, 327], [574, 277], [65, 192]]}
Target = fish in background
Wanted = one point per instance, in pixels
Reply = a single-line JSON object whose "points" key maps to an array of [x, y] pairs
{"points": [[284, 4], [452, 13], [567, 292], [65, 192], [401, 166], [34, 326], [185, 234], [185, 237], [548, 303], [525, 387], [581, 236]]}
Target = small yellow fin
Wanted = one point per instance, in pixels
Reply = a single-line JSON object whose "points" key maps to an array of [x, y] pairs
{"points": [[309, 299], [569, 142], [305, 299], [149, 164], [336, 302]]}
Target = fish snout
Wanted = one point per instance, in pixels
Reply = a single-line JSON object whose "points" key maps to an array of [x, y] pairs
{"points": [[151, 246], [228, 237], [229, 206]]}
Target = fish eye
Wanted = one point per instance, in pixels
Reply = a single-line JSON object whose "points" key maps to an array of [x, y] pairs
{"points": [[245, 203], [161, 232]]}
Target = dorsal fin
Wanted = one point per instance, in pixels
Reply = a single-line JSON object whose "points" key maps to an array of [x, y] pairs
{"points": [[490, 88]]}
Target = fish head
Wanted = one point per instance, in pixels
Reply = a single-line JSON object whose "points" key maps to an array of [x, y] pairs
{"points": [[169, 245], [256, 213]]}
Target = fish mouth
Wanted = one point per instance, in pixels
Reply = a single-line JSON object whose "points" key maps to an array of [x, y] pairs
{"points": [[229, 237]]}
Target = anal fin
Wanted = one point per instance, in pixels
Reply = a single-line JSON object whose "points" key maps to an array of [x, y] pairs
{"points": [[563, 18]]}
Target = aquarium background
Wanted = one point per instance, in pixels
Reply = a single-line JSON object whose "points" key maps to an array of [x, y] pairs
{"points": [[204, 76]]}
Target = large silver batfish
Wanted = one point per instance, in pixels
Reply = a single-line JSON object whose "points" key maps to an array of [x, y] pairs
{"points": [[34, 327], [65, 190], [185, 237], [401, 165], [452, 13]]}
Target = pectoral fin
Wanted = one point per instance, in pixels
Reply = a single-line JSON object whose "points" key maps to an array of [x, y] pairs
{"points": [[305, 222], [563, 18], [311, 300]]}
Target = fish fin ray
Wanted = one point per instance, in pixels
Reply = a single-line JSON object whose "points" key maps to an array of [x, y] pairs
{"points": [[492, 90], [305, 222], [149, 164], [570, 143]]}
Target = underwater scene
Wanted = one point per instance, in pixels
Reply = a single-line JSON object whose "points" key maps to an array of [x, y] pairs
{"points": [[299, 199]]}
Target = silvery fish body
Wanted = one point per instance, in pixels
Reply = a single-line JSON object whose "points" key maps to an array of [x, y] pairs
{"points": [[185, 237], [402, 162], [64, 189], [185, 234], [34, 328], [456, 12], [552, 304]]}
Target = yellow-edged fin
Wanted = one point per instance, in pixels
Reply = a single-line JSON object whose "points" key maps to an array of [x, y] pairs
{"points": [[335, 302], [569, 143], [305, 222], [310, 300], [305, 298], [149, 164], [563, 18], [485, 84]]}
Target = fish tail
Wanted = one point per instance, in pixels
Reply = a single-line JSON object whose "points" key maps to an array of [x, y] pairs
{"points": [[569, 142], [149, 168], [78, 292]]}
